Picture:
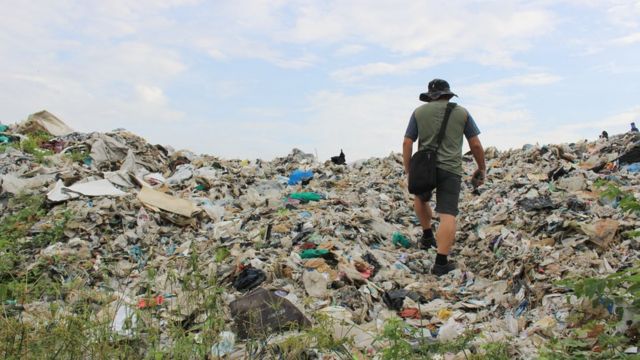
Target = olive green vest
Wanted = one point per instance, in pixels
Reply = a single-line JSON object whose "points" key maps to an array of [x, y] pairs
{"points": [[429, 118]]}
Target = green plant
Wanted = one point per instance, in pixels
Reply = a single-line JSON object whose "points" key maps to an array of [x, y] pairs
{"points": [[621, 288], [319, 338], [76, 329], [600, 183], [77, 156], [595, 340], [221, 254], [5, 147], [631, 234], [492, 351], [598, 338], [17, 244], [403, 341], [394, 333], [627, 200], [32, 145]]}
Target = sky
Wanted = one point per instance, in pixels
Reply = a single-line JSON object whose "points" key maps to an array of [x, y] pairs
{"points": [[254, 79]]}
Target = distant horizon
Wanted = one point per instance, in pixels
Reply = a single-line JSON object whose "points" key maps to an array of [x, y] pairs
{"points": [[253, 79], [312, 151]]}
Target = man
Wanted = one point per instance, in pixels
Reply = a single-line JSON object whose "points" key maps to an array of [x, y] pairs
{"points": [[424, 126], [633, 127]]}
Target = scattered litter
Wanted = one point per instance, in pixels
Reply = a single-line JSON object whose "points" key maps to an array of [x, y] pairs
{"points": [[226, 344], [342, 245], [91, 188]]}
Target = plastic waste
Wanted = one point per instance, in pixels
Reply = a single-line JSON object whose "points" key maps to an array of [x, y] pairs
{"points": [[340, 159], [410, 313], [125, 320], [450, 330], [143, 219], [633, 168], [522, 308], [249, 278], [145, 303], [225, 345], [263, 312], [315, 283], [182, 174], [300, 176], [91, 188], [400, 240], [337, 313], [395, 298], [306, 197], [313, 253], [536, 204]]}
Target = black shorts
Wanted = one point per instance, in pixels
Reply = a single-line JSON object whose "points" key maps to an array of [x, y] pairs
{"points": [[447, 192]]}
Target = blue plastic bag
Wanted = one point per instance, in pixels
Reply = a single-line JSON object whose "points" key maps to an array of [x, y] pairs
{"points": [[634, 168], [299, 176]]}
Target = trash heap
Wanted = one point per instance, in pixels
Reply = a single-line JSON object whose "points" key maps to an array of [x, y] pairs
{"points": [[292, 240]]}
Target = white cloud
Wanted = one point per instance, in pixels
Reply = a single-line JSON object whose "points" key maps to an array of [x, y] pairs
{"points": [[151, 94], [106, 64], [383, 68], [351, 49], [628, 39], [220, 48], [451, 29]]}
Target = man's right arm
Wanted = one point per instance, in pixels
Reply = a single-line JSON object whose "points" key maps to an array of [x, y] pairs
{"points": [[407, 150], [410, 136], [478, 154]]}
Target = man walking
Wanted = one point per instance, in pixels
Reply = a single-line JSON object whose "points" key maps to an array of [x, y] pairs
{"points": [[424, 126]]}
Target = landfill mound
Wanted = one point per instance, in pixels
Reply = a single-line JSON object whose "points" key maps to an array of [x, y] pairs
{"points": [[237, 256]]}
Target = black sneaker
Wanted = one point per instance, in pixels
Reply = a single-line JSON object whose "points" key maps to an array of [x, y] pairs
{"points": [[427, 243], [439, 270]]}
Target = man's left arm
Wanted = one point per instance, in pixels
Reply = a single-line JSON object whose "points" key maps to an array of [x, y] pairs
{"points": [[471, 132]]}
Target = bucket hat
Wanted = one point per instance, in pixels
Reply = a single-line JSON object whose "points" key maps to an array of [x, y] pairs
{"points": [[436, 88]]}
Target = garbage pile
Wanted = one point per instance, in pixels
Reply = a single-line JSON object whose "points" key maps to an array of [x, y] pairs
{"points": [[292, 239]]}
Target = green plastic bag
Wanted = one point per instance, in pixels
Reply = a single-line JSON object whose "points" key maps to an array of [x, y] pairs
{"points": [[400, 240], [313, 253], [306, 196]]}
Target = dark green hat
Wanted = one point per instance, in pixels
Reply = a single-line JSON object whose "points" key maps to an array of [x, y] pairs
{"points": [[436, 88]]}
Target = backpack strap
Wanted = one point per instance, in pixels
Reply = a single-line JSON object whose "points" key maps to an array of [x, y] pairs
{"points": [[443, 127]]}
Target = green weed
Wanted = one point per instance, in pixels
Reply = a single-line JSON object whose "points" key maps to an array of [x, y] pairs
{"points": [[32, 144], [77, 156], [598, 339], [72, 330], [611, 192]]}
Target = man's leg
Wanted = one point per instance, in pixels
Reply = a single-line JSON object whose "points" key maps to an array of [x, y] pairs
{"points": [[448, 194], [446, 233], [423, 211]]}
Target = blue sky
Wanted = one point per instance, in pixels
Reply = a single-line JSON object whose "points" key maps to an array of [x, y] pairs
{"points": [[254, 79]]}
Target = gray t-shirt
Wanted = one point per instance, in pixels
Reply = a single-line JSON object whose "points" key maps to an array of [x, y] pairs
{"points": [[470, 128]]}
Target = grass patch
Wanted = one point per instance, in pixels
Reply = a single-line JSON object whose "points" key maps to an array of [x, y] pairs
{"points": [[77, 156], [32, 144], [319, 338], [403, 341], [17, 244], [610, 192], [81, 327], [598, 338]]}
